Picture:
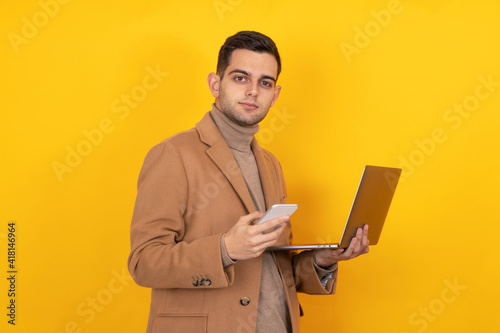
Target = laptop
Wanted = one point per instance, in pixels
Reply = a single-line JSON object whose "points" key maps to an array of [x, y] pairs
{"points": [[371, 205]]}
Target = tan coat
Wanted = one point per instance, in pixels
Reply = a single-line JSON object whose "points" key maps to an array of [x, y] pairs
{"points": [[190, 192]]}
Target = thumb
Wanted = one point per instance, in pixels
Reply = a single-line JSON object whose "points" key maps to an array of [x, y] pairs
{"points": [[250, 218], [339, 251]]}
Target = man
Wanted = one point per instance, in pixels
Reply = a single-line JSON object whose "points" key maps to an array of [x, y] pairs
{"points": [[193, 236]]}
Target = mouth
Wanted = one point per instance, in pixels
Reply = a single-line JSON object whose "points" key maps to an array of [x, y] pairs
{"points": [[249, 105]]}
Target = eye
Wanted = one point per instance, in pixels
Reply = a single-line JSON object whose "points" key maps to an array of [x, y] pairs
{"points": [[239, 78], [266, 84]]}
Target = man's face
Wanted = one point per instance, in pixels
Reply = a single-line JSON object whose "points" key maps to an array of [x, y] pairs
{"points": [[248, 88]]}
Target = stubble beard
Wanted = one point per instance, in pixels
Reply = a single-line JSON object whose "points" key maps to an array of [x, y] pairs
{"points": [[228, 108]]}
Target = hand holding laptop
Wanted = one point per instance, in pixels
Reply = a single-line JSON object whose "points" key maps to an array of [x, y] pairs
{"points": [[370, 206], [358, 246]]}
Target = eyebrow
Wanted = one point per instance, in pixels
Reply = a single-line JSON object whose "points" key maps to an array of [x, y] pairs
{"points": [[268, 77]]}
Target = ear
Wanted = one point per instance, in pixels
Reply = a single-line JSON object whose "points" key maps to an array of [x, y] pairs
{"points": [[277, 91], [213, 84]]}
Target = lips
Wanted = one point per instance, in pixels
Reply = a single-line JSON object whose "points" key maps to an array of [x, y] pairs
{"points": [[249, 105]]}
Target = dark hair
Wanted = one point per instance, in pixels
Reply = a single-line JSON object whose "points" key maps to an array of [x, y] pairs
{"points": [[248, 40]]}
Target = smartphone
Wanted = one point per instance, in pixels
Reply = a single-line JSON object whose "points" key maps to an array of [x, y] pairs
{"points": [[278, 211]]}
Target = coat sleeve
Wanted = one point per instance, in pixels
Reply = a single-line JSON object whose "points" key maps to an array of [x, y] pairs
{"points": [[306, 277], [160, 257]]}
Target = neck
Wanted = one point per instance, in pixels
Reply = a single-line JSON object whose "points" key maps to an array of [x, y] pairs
{"points": [[236, 136]]}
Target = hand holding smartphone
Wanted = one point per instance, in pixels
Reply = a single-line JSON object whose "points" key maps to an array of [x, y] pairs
{"points": [[276, 211]]}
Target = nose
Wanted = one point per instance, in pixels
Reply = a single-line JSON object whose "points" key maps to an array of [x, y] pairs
{"points": [[252, 89]]}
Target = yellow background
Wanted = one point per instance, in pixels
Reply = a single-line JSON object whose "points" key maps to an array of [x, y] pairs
{"points": [[377, 103]]}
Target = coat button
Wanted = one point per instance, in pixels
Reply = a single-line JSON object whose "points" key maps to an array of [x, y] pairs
{"points": [[245, 301], [207, 282]]}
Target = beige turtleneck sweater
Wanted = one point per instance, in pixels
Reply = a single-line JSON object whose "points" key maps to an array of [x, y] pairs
{"points": [[272, 313]]}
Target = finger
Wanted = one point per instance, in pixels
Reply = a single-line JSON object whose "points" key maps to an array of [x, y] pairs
{"points": [[359, 233], [365, 241], [248, 219], [263, 241], [269, 243], [271, 224], [367, 248], [348, 251], [362, 242], [354, 245], [365, 230], [356, 242], [271, 235]]}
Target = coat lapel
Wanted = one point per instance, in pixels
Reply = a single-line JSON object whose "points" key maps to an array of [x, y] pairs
{"points": [[266, 170], [269, 186], [221, 155]]}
